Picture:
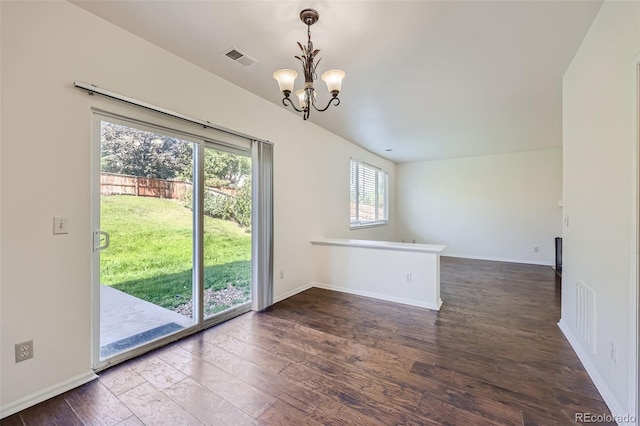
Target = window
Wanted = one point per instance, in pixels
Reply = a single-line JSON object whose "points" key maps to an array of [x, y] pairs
{"points": [[368, 195]]}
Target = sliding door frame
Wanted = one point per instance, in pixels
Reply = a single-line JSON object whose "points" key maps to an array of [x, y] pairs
{"points": [[635, 299], [260, 268]]}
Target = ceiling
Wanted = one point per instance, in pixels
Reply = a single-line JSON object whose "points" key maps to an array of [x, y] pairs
{"points": [[425, 79]]}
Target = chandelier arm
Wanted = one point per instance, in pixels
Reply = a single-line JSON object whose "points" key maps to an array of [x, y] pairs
{"points": [[291, 104], [328, 105]]}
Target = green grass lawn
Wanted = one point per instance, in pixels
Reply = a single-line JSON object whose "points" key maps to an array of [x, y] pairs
{"points": [[150, 254]]}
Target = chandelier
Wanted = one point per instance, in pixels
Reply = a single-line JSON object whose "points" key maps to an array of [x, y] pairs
{"points": [[307, 95]]}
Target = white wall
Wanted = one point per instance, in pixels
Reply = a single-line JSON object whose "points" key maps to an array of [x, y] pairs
{"points": [[599, 95], [45, 171], [398, 272], [491, 207]]}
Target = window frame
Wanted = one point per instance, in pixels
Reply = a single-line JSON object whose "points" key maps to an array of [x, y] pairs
{"points": [[359, 222]]}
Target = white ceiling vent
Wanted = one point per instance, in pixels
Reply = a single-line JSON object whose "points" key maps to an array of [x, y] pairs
{"points": [[240, 57]]}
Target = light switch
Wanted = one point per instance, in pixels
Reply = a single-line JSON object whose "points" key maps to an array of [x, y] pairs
{"points": [[60, 225]]}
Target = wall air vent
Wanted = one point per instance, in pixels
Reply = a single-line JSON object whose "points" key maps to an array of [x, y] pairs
{"points": [[239, 57], [585, 314]]}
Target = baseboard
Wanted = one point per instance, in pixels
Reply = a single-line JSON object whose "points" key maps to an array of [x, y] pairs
{"points": [[614, 405], [47, 393], [293, 292], [499, 259], [432, 306]]}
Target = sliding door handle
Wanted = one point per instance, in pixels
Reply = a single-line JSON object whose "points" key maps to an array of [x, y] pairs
{"points": [[100, 240]]}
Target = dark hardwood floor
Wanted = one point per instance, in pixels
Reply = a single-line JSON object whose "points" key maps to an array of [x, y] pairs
{"points": [[493, 355]]}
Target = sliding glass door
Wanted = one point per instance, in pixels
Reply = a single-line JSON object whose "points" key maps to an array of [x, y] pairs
{"points": [[172, 235], [227, 231]]}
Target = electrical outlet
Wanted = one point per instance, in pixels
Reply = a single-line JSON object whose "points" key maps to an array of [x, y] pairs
{"points": [[24, 351], [408, 278], [535, 249], [282, 274]]}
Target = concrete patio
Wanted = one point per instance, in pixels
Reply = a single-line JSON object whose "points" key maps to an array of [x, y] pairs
{"points": [[127, 321]]}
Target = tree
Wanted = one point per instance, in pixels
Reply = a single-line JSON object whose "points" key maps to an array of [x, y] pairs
{"points": [[223, 170], [228, 168], [131, 151]]}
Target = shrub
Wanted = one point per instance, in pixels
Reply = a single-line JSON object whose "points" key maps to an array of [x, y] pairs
{"points": [[243, 205], [226, 207], [219, 206]]}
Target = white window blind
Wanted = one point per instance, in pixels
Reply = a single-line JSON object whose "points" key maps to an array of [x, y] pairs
{"points": [[368, 195]]}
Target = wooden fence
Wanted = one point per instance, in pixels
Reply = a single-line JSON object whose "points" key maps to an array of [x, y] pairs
{"points": [[117, 184]]}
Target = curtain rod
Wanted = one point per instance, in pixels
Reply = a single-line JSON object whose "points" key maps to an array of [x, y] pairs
{"points": [[93, 89]]}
